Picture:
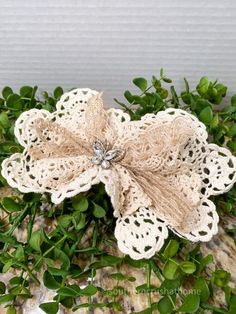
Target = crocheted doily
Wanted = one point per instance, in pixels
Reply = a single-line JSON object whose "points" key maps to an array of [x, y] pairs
{"points": [[159, 172]]}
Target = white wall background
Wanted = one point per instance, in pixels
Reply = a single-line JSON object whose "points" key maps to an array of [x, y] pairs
{"points": [[103, 44]]}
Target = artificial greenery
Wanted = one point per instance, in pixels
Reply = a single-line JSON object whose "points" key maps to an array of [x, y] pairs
{"points": [[58, 250]]}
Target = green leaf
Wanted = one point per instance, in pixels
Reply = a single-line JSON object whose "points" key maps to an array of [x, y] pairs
{"points": [[233, 100], [170, 270], [232, 307], [10, 205], [141, 83], [57, 271], [50, 307], [155, 268], [220, 278], [131, 278], [144, 288], [186, 97], [58, 91], [106, 261], [175, 99], [206, 115], [115, 306], [36, 240], [186, 85], [128, 96], [15, 281], [215, 121], [45, 94], [95, 305], [69, 291], [156, 83], [232, 130], [62, 256], [19, 253], [167, 80], [6, 298], [21, 291], [50, 282], [138, 100], [64, 220], [7, 266], [221, 89], [190, 304], [6, 92], [165, 305], [115, 291], [188, 267], [232, 145], [4, 121], [11, 310], [89, 290], [169, 287], [8, 239], [213, 309], [112, 260], [81, 222], [163, 93], [67, 302], [2, 287], [205, 261], [200, 104], [120, 277], [14, 101], [201, 285], [26, 91], [227, 291], [80, 203], [9, 147], [171, 248], [203, 85], [98, 211]]}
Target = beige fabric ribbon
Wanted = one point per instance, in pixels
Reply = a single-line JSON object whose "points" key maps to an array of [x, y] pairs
{"points": [[155, 142]]}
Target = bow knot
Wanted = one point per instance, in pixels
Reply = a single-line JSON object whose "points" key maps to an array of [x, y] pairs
{"points": [[104, 156]]}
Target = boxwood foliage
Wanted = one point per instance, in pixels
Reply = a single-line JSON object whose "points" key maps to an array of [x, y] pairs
{"points": [[77, 241]]}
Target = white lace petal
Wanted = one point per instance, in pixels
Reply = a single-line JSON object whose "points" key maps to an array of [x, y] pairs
{"points": [[69, 115], [77, 98], [117, 120], [168, 115], [131, 195], [207, 225], [110, 178], [62, 177], [12, 171], [70, 112], [132, 129], [189, 185], [141, 234], [217, 170], [126, 195], [82, 183], [24, 126]]}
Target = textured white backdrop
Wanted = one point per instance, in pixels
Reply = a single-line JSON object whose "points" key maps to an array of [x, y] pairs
{"points": [[103, 44]]}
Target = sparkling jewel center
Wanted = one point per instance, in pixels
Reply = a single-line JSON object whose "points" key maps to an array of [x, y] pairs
{"points": [[104, 156]]}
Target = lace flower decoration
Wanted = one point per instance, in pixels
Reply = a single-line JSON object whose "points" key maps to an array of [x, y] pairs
{"points": [[159, 172]]}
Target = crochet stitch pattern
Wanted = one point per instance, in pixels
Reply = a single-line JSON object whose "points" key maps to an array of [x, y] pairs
{"points": [[159, 171]]}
